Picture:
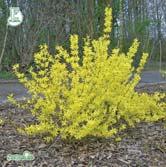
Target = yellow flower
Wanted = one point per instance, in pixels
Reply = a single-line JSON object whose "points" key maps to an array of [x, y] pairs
{"points": [[96, 98], [108, 20]]}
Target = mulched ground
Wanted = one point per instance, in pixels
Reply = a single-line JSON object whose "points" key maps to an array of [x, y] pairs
{"points": [[143, 146]]}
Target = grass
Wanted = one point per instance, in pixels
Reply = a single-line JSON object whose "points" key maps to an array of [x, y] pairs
{"points": [[7, 75]]}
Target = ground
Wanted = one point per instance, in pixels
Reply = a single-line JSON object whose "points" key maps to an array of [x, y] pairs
{"points": [[144, 145]]}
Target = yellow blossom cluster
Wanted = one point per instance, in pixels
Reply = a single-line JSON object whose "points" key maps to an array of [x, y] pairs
{"points": [[94, 98]]}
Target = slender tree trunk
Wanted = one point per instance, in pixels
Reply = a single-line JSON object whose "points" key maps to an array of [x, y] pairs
{"points": [[3, 49], [90, 7]]}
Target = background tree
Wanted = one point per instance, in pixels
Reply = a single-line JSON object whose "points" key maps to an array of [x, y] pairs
{"points": [[51, 22]]}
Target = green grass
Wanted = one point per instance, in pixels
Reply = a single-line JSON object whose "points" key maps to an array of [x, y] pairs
{"points": [[7, 75]]}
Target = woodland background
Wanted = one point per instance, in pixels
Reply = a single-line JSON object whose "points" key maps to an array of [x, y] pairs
{"points": [[52, 21]]}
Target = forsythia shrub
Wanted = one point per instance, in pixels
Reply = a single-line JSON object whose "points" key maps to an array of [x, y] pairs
{"points": [[92, 97]]}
